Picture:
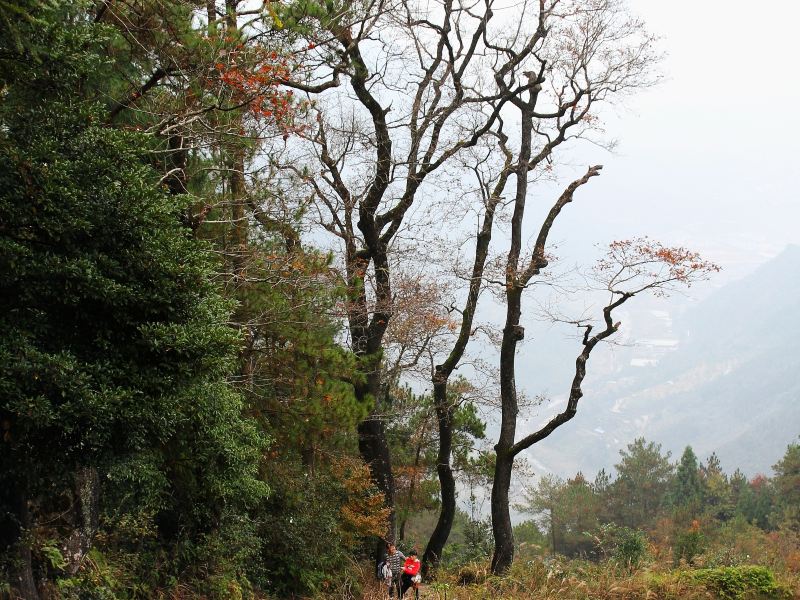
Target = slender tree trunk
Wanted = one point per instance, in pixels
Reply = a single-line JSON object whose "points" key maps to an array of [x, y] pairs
{"points": [[308, 456], [411, 486], [238, 214], [237, 162], [502, 530], [441, 376], [447, 483], [504, 462], [86, 517], [23, 580], [211, 14]]}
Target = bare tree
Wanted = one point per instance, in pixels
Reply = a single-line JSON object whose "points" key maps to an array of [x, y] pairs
{"points": [[417, 96], [577, 55], [547, 81]]}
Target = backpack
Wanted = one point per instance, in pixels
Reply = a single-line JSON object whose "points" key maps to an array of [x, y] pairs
{"points": [[384, 572]]}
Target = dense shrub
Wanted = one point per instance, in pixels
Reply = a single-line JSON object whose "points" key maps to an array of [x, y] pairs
{"points": [[734, 583]]}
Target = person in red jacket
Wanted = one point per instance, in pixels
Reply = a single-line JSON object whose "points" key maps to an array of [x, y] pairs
{"points": [[411, 576]]}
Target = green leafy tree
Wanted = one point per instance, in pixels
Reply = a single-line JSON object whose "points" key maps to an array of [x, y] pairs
{"points": [[686, 495], [738, 482], [414, 442], [580, 508], [115, 351], [717, 501], [544, 502], [643, 478], [787, 488], [756, 502]]}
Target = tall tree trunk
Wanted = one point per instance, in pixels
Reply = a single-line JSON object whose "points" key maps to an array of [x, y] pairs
{"points": [[236, 168], [512, 334], [447, 483], [308, 456], [238, 214], [504, 461], [374, 449], [367, 339], [441, 376], [86, 516], [501, 517], [412, 486], [23, 580]]}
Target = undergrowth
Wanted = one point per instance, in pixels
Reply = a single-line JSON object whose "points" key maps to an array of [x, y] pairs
{"points": [[578, 580]]}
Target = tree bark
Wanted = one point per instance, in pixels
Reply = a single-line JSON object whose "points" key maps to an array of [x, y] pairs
{"points": [[512, 334], [501, 517], [447, 483], [411, 486], [86, 516], [375, 451], [504, 458], [442, 373], [23, 580]]}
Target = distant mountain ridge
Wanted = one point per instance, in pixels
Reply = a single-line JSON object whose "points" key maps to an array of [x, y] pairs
{"points": [[731, 386]]}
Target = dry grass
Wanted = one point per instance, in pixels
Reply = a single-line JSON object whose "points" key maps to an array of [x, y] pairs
{"points": [[568, 580]]}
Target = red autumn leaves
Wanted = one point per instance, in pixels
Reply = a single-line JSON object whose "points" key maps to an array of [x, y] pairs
{"points": [[254, 80]]}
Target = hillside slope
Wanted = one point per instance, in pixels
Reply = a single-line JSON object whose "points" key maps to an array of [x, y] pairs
{"points": [[730, 383]]}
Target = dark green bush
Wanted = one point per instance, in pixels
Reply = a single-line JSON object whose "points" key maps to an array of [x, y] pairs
{"points": [[688, 545], [735, 583]]}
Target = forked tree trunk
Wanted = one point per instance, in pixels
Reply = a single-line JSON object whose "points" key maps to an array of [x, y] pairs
{"points": [[442, 373], [512, 334]]}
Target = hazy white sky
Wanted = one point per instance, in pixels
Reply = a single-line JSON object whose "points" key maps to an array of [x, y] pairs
{"points": [[708, 158]]}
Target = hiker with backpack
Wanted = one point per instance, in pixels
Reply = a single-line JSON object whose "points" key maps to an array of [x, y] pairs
{"points": [[411, 577], [391, 569]]}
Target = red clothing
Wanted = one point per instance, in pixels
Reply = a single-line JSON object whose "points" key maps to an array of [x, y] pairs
{"points": [[411, 566]]}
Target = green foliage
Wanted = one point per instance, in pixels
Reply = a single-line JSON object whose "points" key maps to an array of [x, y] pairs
{"points": [[567, 510], [303, 16], [621, 545], [735, 583], [54, 555], [687, 489], [631, 547], [643, 477], [478, 542], [413, 436], [116, 349], [756, 502], [688, 545], [787, 488], [307, 541], [529, 539]]}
